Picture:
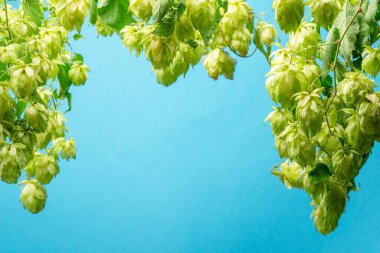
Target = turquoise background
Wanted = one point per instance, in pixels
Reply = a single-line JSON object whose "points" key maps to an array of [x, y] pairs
{"points": [[182, 169]]}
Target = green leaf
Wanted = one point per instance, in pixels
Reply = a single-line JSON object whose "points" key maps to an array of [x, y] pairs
{"points": [[20, 108], [330, 50], [327, 83], [166, 26], [207, 34], [353, 30], [372, 10], [116, 14], [33, 9], [160, 9], [63, 78], [93, 11], [78, 36], [78, 57], [320, 173]]}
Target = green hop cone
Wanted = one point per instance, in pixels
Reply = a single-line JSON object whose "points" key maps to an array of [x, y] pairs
{"points": [[33, 196], [24, 80], [331, 207], [354, 87], [45, 168], [346, 165], [132, 37], [279, 119], [324, 12], [45, 68], [78, 73], [355, 137], [8, 53], [305, 40], [241, 40], [265, 34], [103, 29], [53, 39], [65, 148], [201, 13], [299, 148], [310, 111], [289, 14], [184, 29], [12, 159], [283, 82], [312, 73], [72, 13], [37, 116], [25, 137], [329, 143], [369, 115], [291, 174], [56, 124], [6, 101], [218, 62], [160, 50], [142, 9], [165, 76], [371, 61]]}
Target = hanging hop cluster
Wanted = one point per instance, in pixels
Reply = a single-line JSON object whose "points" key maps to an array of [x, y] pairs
{"points": [[176, 35], [36, 72], [327, 114]]}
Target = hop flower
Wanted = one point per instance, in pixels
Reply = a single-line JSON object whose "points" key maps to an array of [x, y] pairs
{"points": [[66, 149], [291, 174], [37, 117], [355, 137], [25, 137], [331, 207], [305, 40], [283, 82], [299, 148], [369, 115], [201, 13], [24, 80], [33, 196], [160, 50], [132, 37], [45, 68], [265, 34], [312, 73], [329, 143], [371, 61], [72, 13], [142, 9], [240, 41], [324, 12], [219, 62], [6, 101], [8, 53], [78, 73], [184, 29], [289, 14], [279, 119], [56, 124], [103, 29], [45, 168], [346, 165], [310, 111], [53, 39], [354, 87], [12, 158]]}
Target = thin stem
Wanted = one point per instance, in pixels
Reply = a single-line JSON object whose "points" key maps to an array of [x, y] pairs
{"points": [[7, 19]]}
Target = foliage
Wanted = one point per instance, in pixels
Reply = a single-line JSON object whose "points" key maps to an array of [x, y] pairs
{"points": [[327, 114]]}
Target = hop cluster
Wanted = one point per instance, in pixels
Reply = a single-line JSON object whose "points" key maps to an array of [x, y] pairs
{"points": [[185, 32], [36, 73]]}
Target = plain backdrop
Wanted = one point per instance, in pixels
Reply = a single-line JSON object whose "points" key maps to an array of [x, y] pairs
{"points": [[179, 169]]}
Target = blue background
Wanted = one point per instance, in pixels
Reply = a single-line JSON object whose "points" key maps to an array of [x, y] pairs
{"points": [[180, 169]]}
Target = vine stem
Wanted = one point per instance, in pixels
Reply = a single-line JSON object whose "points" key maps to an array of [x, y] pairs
{"points": [[339, 43], [7, 19]]}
